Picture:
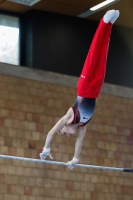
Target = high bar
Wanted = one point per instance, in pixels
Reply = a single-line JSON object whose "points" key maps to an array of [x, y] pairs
{"points": [[65, 163]]}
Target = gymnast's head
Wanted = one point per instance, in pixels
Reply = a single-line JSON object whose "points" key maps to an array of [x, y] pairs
{"points": [[67, 130]]}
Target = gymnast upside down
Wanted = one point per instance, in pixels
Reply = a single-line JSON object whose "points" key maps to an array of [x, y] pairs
{"points": [[88, 89]]}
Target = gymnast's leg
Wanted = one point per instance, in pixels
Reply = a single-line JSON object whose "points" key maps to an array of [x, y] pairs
{"points": [[93, 73]]}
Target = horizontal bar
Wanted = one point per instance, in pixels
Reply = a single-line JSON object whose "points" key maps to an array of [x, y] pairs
{"points": [[64, 163]]}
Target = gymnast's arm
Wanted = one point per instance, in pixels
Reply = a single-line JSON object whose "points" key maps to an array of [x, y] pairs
{"points": [[79, 141], [59, 125]]}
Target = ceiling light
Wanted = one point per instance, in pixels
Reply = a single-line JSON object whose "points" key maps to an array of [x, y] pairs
{"points": [[25, 2], [104, 3], [97, 8]]}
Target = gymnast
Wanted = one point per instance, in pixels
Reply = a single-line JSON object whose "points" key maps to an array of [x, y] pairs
{"points": [[88, 89]]}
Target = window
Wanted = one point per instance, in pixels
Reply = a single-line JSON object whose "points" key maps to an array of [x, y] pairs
{"points": [[9, 39]]}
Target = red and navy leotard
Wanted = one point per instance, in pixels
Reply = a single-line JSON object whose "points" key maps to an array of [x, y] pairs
{"points": [[92, 75], [83, 110]]}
